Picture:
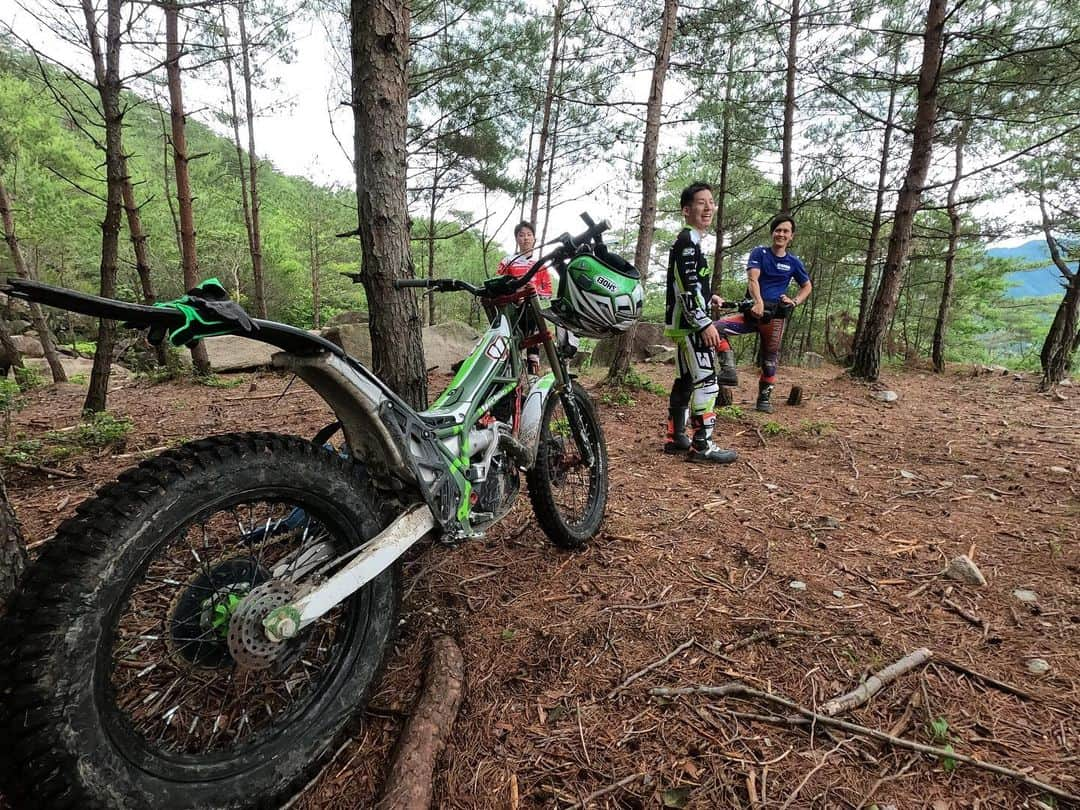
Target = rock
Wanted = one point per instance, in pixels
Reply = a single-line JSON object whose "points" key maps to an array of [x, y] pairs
{"points": [[234, 353], [354, 338], [1037, 666], [1018, 377], [646, 336], [963, 569], [18, 326], [1060, 470], [448, 343], [75, 367], [667, 356], [828, 522], [1059, 397], [886, 396], [349, 316], [811, 360], [1066, 382], [29, 346], [796, 585], [655, 349], [839, 594], [1024, 595]]}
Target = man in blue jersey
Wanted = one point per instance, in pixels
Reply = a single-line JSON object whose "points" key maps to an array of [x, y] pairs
{"points": [[689, 296], [769, 273]]}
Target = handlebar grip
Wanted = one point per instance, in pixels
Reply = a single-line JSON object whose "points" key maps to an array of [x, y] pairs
{"points": [[402, 283]]}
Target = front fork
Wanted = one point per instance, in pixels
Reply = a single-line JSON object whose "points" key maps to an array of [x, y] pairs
{"points": [[562, 387]]}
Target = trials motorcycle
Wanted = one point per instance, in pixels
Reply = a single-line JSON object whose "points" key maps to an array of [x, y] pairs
{"points": [[198, 634]]}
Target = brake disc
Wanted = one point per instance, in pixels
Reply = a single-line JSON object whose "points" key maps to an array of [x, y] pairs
{"points": [[248, 644]]}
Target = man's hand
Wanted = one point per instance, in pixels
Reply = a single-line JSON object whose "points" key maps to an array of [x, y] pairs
{"points": [[784, 298], [758, 309], [715, 303], [710, 337]]}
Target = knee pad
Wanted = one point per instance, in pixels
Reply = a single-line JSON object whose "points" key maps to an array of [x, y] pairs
{"points": [[704, 397]]}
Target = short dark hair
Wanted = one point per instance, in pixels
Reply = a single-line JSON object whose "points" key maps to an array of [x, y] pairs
{"points": [[524, 224], [779, 219], [686, 199]]}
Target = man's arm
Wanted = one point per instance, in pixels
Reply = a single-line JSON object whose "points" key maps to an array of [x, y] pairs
{"points": [[753, 284]]}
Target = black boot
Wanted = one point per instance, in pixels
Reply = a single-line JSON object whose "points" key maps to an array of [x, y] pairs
{"points": [[764, 397], [728, 374], [677, 440]]}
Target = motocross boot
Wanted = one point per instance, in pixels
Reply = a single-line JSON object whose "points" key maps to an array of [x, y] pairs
{"points": [[764, 397], [728, 375], [677, 440], [708, 453]]}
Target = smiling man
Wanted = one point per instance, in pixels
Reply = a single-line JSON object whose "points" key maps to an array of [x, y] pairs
{"points": [[769, 273], [689, 297]]}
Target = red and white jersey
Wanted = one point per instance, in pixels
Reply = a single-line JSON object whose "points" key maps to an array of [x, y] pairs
{"points": [[520, 266]]}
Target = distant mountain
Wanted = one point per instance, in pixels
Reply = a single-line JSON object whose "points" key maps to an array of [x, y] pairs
{"points": [[1043, 279]]}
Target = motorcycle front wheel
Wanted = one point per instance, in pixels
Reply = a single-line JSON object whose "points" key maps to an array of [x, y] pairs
{"points": [[135, 670], [568, 495]]}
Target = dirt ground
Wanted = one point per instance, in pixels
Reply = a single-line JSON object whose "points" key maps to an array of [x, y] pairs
{"points": [[860, 501]]}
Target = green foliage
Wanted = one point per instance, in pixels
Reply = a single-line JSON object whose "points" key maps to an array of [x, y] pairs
{"points": [[617, 397], [816, 427], [772, 428], [939, 732], [732, 413], [217, 381], [11, 401], [28, 378]]}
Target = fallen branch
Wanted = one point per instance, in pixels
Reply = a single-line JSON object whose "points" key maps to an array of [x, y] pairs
{"points": [[408, 787], [41, 468], [994, 682], [606, 790], [815, 769], [736, 689], [965, 614], [872, 685], [650, 668]]}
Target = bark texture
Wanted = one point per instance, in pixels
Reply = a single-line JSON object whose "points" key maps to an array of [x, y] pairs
{"points": [[254, 233], [937, 350], [12, 548], [379, 36], [867, 360], [107, 79], [178, 120], [408, 786], [789, 107], [142, 256], [620, 363], [545, 126], [1063, 337]]}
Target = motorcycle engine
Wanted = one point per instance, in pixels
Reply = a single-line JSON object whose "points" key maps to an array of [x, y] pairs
{"points": [[497, 493]]}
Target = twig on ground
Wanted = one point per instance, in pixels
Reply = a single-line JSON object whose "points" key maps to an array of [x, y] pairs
{"points": [[872, 685], [736, 689], [810, 773], [596, 794], [874, 787], [964, 613], [652, 605], [650, 667], [994, 682], [41, 468]]}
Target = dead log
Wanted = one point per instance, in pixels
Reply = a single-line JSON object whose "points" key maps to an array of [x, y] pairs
{"points": [[408, 786], [872, 685]]}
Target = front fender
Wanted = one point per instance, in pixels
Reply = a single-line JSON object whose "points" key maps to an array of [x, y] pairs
{"points": [[532, 413]]}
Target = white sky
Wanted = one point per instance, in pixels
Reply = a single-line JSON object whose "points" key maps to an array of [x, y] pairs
{"points": [[297, 137]]}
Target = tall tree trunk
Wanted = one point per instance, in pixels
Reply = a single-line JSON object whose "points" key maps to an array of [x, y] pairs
{"points": [[12, 548], [1064, 335], [37, 316], [541, 149], [180, 165], [142, 257], [620, 363], [725, 157], [315, 259], [868, 350], [431, 226], [107, 78], [879, 205], [253, 168], [245, 203], [551, 170], [789, 107], [379, 38], [938, 349]]}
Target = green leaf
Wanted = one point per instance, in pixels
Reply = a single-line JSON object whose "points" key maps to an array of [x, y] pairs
{"points": [[675, 797], [940, 729], [509, 634], [948, 763]]}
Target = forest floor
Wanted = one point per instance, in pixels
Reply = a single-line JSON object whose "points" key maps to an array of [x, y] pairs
{"points": [[861, 501]]}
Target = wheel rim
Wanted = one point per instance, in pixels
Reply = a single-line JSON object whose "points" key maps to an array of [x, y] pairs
{"points": [[574, 486], [173, 689]]}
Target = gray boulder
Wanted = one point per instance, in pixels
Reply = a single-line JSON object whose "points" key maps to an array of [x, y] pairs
{"points": [[647, 337], [28, 346], [812, 360], [448, 343], [232, 353], [349, 316], [354, 338], [75, 367]]}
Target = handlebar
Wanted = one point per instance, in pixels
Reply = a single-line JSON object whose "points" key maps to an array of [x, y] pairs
{"points": [[505, 285]]}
